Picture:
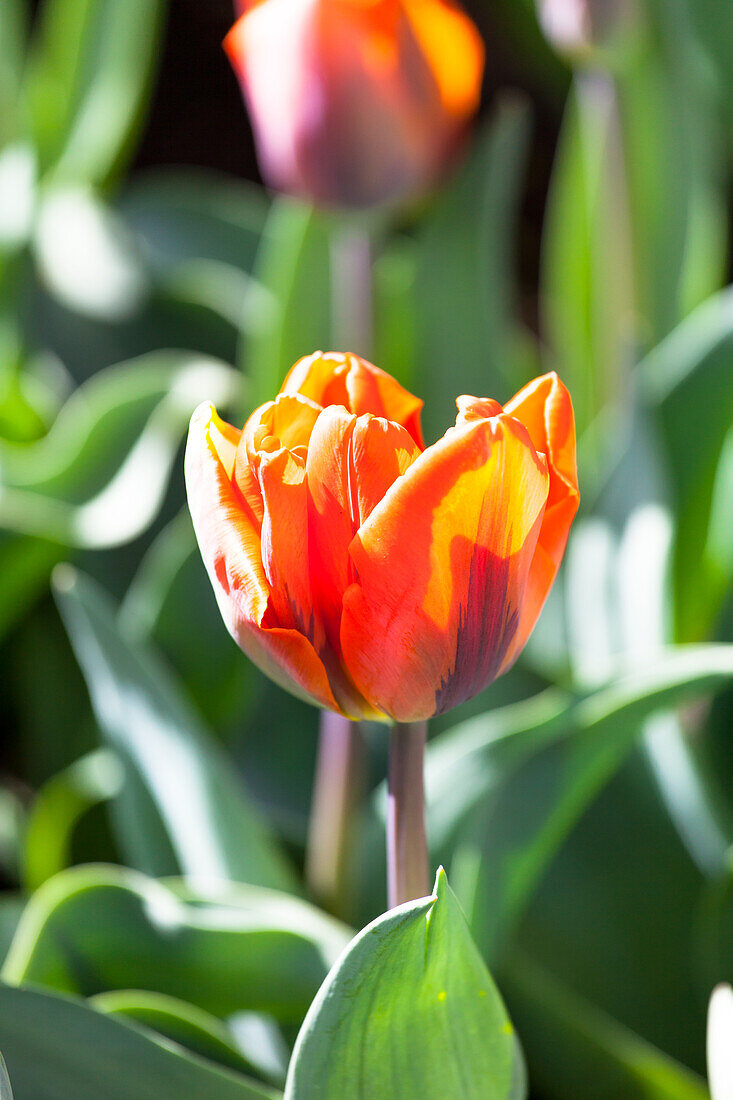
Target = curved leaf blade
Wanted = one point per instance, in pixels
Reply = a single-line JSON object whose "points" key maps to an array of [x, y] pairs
{"points": [[409, 1010], [185, 811], [94, 929], [58, 1046]]}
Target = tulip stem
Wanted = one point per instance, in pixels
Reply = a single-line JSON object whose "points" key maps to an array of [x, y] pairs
{"points": [[407, 849], [351, 294], [336, 796]]}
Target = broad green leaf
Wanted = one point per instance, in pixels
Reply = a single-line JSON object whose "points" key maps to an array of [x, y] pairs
{"points": [[94, 778], [530, 771], [184, 1023], [409, 1010], [466, 326], [6, 1092], [88, 82], [98, 478], [574, 1049], [684, 381], [59, 1047], [184, 800], [94, 929], [294, 316]]}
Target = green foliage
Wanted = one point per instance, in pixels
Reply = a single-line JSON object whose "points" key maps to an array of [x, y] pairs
{"points": [[225, 949], [409, 1010], [204, 827], [465, 283], [586, 829], [57, 1046]]}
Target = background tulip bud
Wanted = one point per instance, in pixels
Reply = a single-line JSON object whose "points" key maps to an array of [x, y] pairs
{"points": [[356, 102], [582, 28]]}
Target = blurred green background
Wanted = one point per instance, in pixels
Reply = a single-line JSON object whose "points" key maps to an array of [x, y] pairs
{"points": [[144, 268]]}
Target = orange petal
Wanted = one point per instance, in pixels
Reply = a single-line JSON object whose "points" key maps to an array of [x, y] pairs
{"points": [[380, 453], [441, 567], [454, 49], [230, 547], [337, 378], [330, 523], [545, 408]]}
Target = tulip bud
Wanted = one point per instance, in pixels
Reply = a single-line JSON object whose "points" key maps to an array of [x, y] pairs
{"points": [[355, 103], [582, 28]]}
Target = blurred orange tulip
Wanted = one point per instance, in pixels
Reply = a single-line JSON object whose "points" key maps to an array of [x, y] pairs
{"points": [[356, 102], [363, 571]]}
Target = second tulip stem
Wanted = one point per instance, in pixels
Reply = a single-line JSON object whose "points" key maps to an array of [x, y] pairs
{"points": [[336, 797], [407, 850]]}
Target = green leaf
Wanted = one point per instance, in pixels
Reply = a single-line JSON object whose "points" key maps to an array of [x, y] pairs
{"points": [[294, 317], [530, 770], [6, 1092], [466, 328], [587, 297], [25, 567], [574, 1046], [58, 1047], [191, 1027], [94, 929], [192, 214], [89, 76], [98, 478], [686, 380], [409, 1010], [185, 801], [170, 604], [59, 804]]}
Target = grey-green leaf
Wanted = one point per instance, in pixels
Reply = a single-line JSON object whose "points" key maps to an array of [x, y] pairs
{"points": [[185, 810], [94, 929], [409, 1011], [58, 1047]]}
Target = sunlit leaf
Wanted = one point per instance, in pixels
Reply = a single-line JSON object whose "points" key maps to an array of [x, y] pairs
{"points": [[530, 771], [183, 808], [88, 81], [98, 478], [409, 1010], [94, 929]]}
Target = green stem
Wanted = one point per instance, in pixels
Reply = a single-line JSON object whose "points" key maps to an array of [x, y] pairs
{"points": [[337, 792], [407, 849]]}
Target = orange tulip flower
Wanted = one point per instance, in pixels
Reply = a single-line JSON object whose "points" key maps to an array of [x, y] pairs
{"points": [[356, 102], [366, 572]]}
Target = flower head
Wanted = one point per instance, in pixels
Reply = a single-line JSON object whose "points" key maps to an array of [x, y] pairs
{"points": [[364, 571], [356, 102]]}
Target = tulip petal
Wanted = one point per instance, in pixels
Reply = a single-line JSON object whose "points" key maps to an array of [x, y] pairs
{"points": [[229, 540], [380, 453], [441, 565], [545, 408], [335, 378], [454, 49]]}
